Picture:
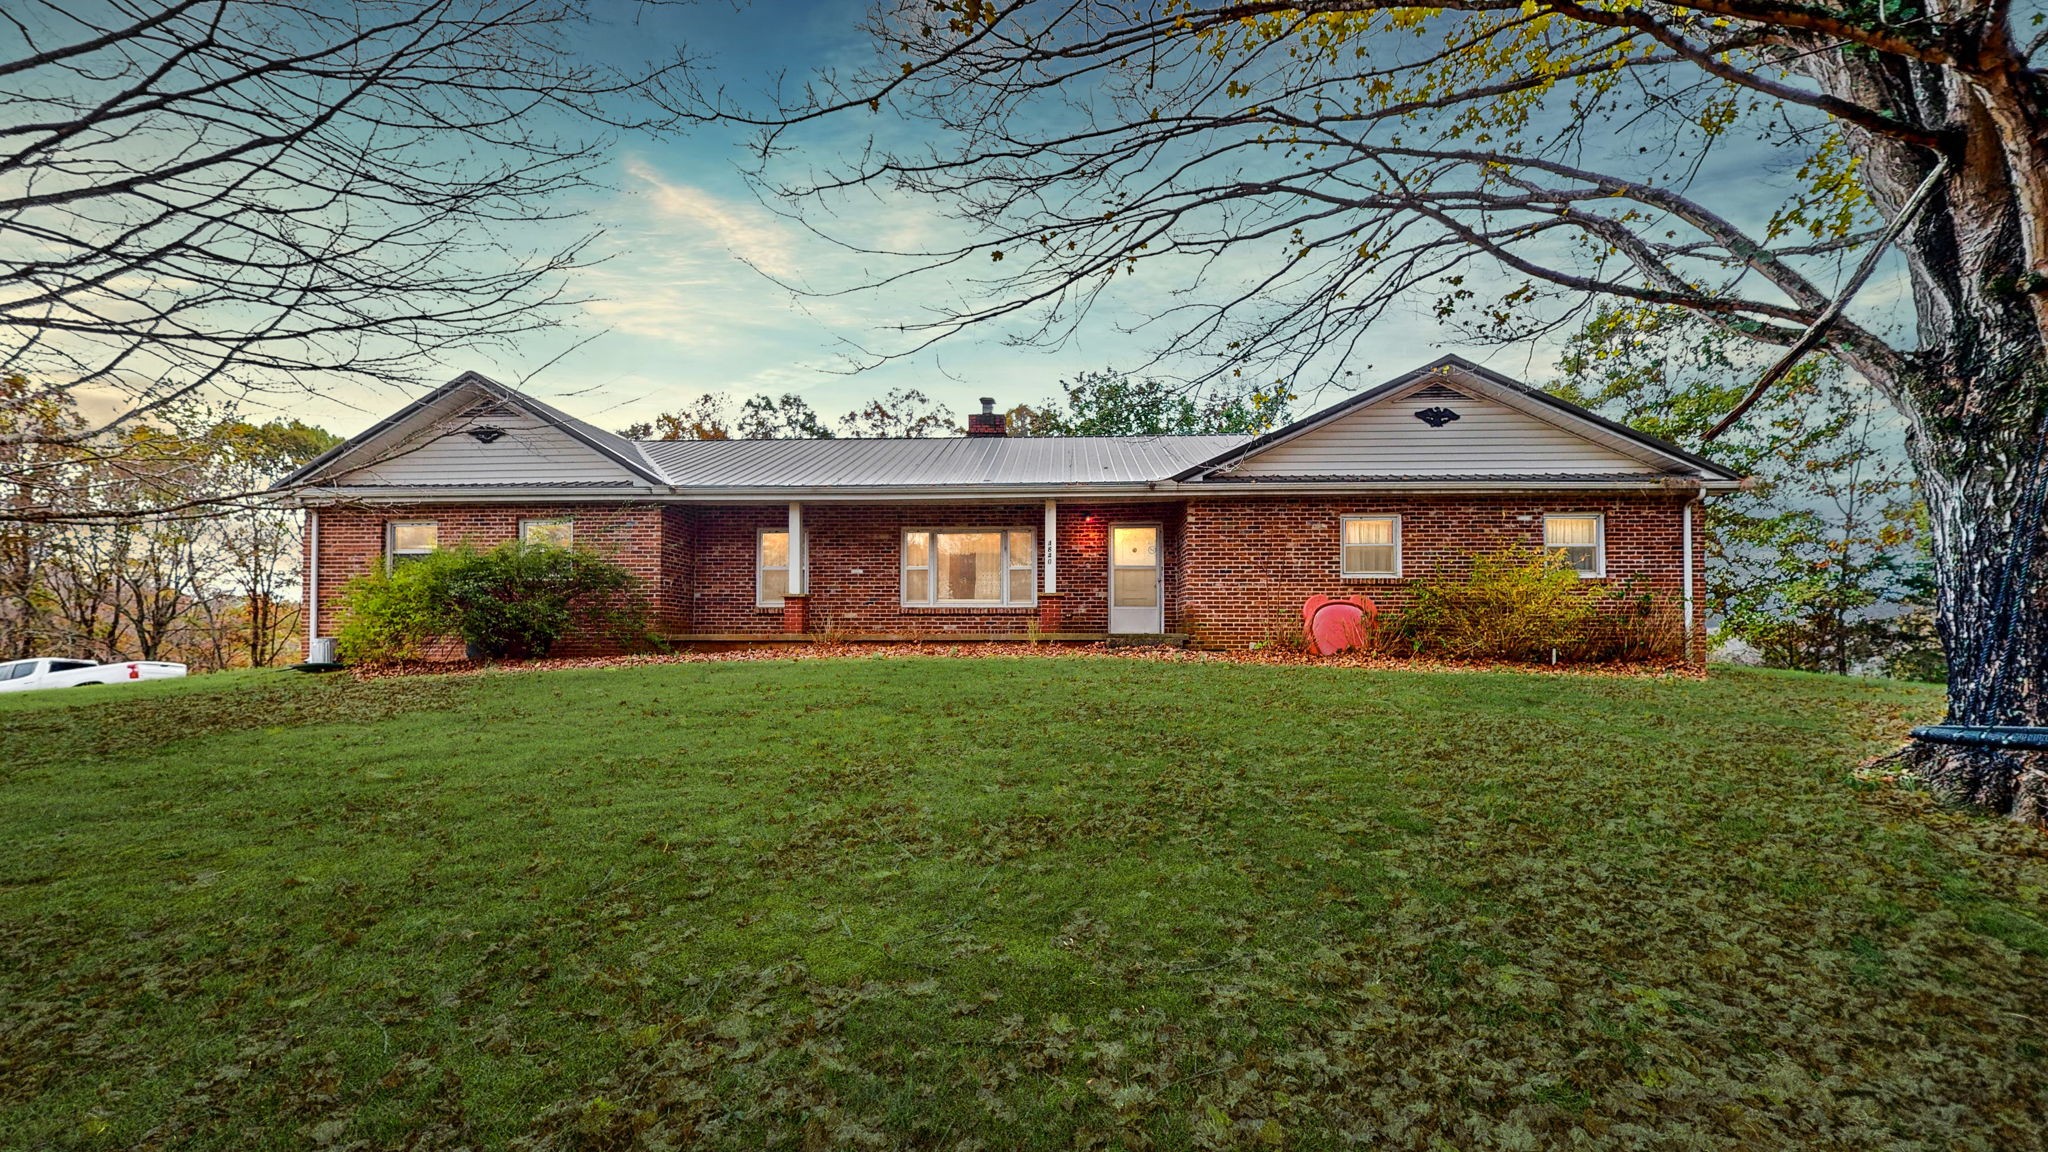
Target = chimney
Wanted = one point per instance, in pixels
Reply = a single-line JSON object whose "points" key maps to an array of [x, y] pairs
{"points": [[988, 421]]}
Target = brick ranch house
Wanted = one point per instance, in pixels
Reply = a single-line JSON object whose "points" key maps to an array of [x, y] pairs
{"points": [[1218, 539]]}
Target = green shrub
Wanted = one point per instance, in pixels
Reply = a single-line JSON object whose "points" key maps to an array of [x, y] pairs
{"points": [[514, 601], [517, 601], [392, 616], [1518, 604]]}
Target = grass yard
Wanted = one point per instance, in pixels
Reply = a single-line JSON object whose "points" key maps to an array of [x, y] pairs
{"points": [[1041, 903]]}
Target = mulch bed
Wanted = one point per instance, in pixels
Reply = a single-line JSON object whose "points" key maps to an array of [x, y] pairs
{"points": [[973, 649]]}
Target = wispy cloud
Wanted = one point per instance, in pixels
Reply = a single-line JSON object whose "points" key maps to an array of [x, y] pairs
{"points": [[692, 215], [689, 267]]}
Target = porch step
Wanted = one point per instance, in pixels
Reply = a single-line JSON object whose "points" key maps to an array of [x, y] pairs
{"points": [[1147, 640], [915, 638]]}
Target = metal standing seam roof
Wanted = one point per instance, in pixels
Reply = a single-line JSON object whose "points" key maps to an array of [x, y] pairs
{"points": [[1645, 478], [935, 462]]}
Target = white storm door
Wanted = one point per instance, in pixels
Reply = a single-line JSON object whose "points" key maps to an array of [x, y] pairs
{"points": [[1136, 600]]}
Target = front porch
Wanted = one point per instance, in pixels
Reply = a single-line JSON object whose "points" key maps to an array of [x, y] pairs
{"points": [[719, 641], [1051, 570]]}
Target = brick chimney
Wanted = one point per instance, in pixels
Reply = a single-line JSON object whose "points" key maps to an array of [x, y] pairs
{"points": [[988, 421]]}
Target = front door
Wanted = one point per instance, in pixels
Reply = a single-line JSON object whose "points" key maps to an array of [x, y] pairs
{"points": [[1136, 600]]}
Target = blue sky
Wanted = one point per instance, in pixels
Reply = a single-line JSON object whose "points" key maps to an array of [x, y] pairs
{"points": [[681, 305], [686, 301]]}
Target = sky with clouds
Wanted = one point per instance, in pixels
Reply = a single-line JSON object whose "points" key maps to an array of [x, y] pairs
{"points": [[697, 289]]}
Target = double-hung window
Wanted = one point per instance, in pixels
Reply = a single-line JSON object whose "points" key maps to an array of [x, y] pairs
{"points": [[1372, 546], [555, 532], [970, 568], [1580, 538], [771, 566], [409, 540]]}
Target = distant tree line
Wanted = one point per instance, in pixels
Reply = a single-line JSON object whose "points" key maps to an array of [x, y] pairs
{"points": [[205, 574], [1098, 403], [900, 412], [1822, 562]]}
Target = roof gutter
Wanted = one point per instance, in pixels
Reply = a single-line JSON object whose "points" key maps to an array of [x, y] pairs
{"points": [[991, 492], [321, 496]]}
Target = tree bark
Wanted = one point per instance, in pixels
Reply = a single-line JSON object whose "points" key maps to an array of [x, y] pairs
{"points": [[1973, 395], [1985, 484]]}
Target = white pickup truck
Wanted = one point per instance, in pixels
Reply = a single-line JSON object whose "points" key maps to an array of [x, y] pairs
{"points": [[22, 675]]}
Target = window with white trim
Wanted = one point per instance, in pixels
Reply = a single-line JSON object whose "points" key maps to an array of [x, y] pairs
{"points": [[409, 540], [1372, 546], [771, 566], [1580, 538], [554, 532], [970, 568]]}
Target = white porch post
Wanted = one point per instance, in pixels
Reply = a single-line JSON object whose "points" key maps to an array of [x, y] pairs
{"points": [[1685, 586], [799, 583], [312, 590], [1052, 546]]}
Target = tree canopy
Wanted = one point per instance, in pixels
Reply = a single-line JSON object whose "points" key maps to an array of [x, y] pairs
{"points": [[1112, 403], [1282, 177], [216, 200]]}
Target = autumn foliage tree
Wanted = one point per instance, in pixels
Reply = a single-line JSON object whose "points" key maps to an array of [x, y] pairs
{"points": [[1817, 561], [231, 200], [1107, 402], [1280, 176]]}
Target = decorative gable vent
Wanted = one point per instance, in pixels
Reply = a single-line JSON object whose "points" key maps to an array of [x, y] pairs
{"points": [[1440, 392], [491, 410]]}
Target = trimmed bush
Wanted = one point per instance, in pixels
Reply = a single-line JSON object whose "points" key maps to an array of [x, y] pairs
{"points": [[515, 601], [394, 616], [1518, 604]]}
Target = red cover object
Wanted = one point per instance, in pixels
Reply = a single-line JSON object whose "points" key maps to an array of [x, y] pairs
{"points": [[1331, 625]]}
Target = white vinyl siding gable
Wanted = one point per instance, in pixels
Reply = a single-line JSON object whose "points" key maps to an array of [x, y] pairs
{"points": [[531, 451], [1386, 438]]}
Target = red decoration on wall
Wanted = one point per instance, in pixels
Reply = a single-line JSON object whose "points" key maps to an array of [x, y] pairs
{"points": [[1331, 625]]}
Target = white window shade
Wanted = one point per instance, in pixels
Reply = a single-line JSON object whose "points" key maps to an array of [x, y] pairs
{"points": [[1580, 538], [1023, 571], [972, 567], [1372, 546], [408, 540], [771, 568], [554, 533]]}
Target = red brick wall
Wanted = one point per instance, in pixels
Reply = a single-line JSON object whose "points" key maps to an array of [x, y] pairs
{"points": [[678, 558], [1236, 568], [1252, 561], [636, 536], [856, 554]]}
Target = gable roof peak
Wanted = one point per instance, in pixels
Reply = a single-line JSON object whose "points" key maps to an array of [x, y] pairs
{"points": [[610, 445], [1535, 401]]}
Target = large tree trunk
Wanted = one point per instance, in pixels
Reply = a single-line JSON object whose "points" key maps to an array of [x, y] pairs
{"points": [[1985, 503], [1973, 396]]}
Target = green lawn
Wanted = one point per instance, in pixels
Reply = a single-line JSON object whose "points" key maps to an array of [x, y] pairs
{"points": [[994, 903]]}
